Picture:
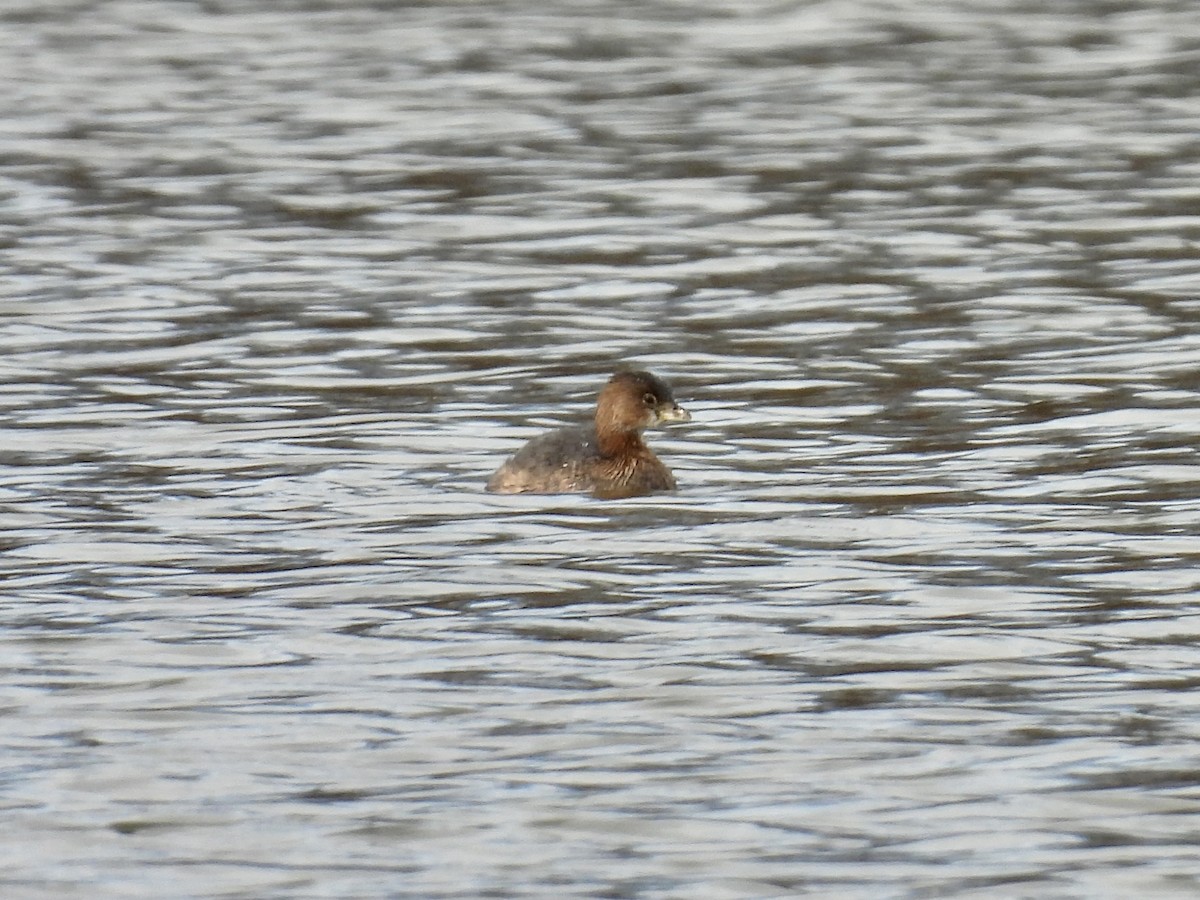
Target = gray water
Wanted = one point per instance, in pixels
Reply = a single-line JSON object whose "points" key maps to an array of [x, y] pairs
{"points": [[283, 282]]}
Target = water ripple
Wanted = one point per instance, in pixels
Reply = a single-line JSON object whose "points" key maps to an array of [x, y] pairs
{"points": [[287, 281]]}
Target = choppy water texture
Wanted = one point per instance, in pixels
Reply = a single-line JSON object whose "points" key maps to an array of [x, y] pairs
{"points": [[284, 281]]}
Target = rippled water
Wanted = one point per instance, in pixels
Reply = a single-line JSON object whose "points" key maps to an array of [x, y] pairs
{"points": [[284, 282]]}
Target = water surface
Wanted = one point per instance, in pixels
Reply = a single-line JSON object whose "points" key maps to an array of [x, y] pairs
{"points": [[284, 282]]}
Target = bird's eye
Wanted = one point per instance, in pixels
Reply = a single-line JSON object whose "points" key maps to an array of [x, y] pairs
{"points": [[649, 399]]}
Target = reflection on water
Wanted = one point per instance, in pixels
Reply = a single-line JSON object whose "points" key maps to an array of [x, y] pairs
{"points": [[285, 282]]}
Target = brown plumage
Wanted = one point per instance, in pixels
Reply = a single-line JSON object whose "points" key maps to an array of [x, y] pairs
{"points": [[607, 457]]}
